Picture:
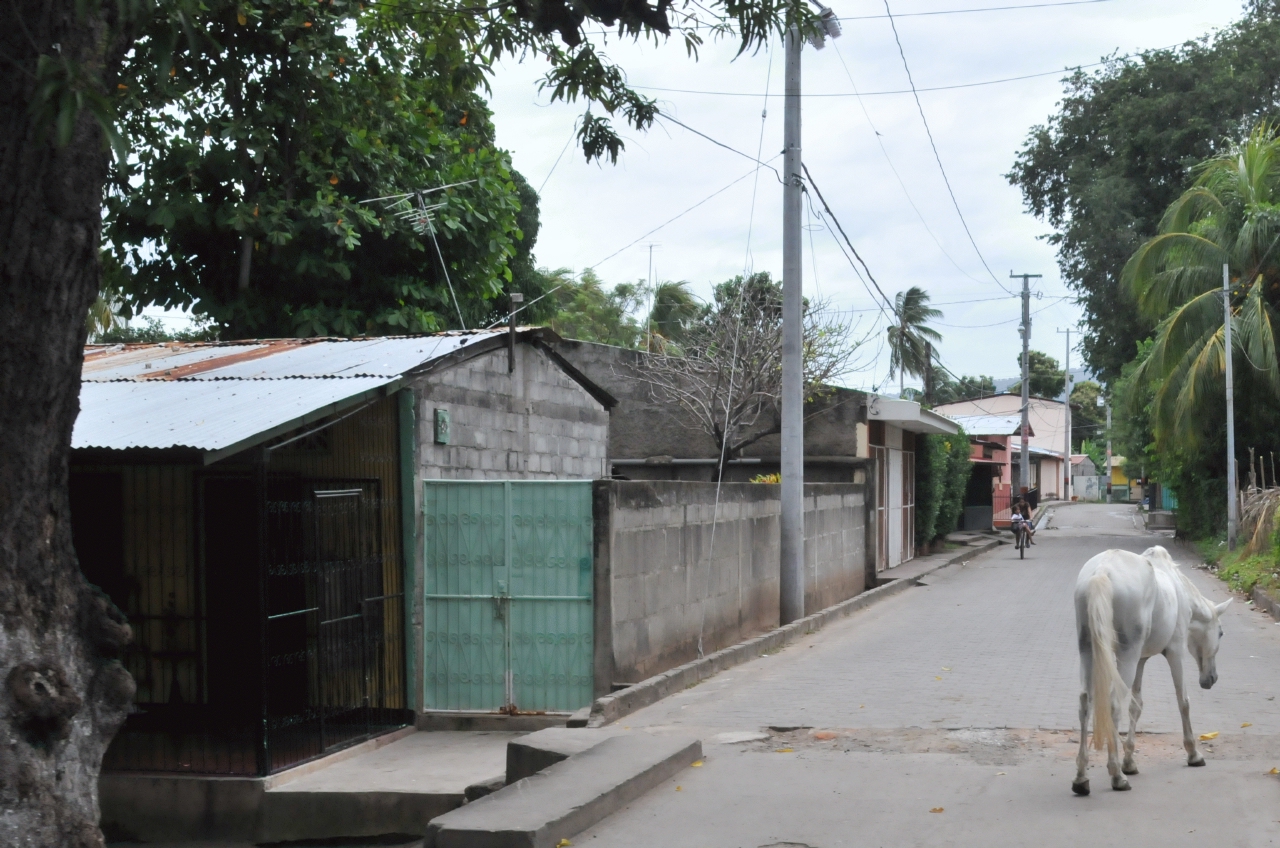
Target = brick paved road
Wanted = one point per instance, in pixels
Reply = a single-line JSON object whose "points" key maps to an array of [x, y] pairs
{"points": [[962, 694]]}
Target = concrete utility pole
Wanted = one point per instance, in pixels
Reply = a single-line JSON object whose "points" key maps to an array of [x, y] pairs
{"points": [[1024, 460], [791, 572], [1066, 403], [1108, 449], [791, 542], [1233, 520]]}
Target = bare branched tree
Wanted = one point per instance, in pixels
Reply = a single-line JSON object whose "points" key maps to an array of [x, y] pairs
{"points": [[726, 376]]}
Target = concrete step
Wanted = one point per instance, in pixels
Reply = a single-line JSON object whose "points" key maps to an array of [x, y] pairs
{"points": [[395, 789], [530, 754], [568, 797]]}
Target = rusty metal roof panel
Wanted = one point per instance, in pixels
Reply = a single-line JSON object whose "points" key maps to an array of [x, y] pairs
{"points": [[201, 414], [213, 397]]}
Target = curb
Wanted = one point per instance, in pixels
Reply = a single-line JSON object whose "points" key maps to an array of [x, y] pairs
{"points": [[612, 707], [1262, 600]]}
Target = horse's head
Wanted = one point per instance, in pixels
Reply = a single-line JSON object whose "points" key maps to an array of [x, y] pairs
{"points": [[1203, 637]]}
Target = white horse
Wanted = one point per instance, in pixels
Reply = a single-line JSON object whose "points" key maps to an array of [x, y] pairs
{"points": [[1130, 607]]}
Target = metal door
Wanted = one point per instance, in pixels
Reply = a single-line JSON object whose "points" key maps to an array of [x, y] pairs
{"points": [[508, 612]]}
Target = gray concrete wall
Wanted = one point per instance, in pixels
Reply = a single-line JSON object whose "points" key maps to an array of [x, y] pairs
{"points": [[642, 427], [535, 423], [659, 584]]}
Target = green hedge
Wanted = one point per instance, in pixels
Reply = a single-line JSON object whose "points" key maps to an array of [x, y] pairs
{"points": [[942, 472]]}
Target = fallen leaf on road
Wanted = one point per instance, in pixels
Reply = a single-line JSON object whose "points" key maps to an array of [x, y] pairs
{"points": [[864, 706], [936, 810], [563, 843], [944, 668], [824, 735], [1205, 737], [1274, 770], [937, 678], [783, 750], [698, 764], [1247, 724], [999, 773], [679, 788]]}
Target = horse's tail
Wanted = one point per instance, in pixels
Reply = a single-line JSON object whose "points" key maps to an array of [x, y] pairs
{"points": [[1105, 680]]}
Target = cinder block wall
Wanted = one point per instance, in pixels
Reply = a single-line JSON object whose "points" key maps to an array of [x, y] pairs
{"points": [[535, 423], [661, 581]]}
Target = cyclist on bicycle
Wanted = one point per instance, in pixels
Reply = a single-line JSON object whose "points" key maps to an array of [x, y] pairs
{"points": [[1021, 519]]}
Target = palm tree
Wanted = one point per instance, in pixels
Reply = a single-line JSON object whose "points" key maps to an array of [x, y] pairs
{"points": [[674, 311], [911, 340], [1231, 216]]}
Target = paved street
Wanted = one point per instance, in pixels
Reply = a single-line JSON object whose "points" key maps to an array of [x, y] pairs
{"points": [[960, 697]]}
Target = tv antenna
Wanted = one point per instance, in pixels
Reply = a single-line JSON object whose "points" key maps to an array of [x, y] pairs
{"points": [[413, 208]]}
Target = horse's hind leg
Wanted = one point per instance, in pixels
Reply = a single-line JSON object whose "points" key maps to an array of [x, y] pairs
{"points": [[1135, 711], [1080, 785]]}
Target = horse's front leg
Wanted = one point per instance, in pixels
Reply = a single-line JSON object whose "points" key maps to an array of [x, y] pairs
{"points": [[1080, 785], [1135, 711], [1174, 655]]}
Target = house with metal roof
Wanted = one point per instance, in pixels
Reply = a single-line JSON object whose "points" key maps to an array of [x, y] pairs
{"points": [[262, 511]]}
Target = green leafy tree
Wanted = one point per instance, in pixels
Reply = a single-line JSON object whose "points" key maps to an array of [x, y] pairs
{"points": [[247, 198], [1045, 378], [1088, 420], [948, 390], [1229, 217], [674, 312], [1103, 169], [910, 338], [587, 310]]}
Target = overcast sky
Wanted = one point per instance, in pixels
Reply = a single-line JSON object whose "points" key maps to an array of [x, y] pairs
{"points": [[591, 213]]}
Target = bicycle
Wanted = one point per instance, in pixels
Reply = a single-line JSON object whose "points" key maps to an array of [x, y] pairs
{"points": [[1021, 539]]}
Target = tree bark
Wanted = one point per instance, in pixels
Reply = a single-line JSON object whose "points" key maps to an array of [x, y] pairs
{"points": [[62, 693]]}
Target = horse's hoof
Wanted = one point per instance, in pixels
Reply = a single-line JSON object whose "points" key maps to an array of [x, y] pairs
{"points": [[1119, 784], [1081, 788], [1198, 761], [1129, 768]]}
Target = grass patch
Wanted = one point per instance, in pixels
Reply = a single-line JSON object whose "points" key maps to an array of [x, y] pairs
{"points": [[1242, 573]]}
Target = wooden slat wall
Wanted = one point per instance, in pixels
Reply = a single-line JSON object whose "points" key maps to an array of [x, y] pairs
{"points": [[364, 446], [159, 565]]}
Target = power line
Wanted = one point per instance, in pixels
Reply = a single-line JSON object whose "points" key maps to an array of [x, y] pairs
{"points": [[887, 91], [936, 155], [836, 221], [1049, 305], [680, 215], [917, 14], [888, 160], [979, 9], [700, 134], [942, 303]]}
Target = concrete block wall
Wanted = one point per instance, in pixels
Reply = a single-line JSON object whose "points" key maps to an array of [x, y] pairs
{"points": [[666, 573], [535, 423]]}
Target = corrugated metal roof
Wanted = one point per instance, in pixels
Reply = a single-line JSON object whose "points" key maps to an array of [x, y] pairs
{"points": [[991, 425], [211, 397]]}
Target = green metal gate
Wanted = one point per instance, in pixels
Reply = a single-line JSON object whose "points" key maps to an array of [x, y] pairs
{"points": [[508, 608]]}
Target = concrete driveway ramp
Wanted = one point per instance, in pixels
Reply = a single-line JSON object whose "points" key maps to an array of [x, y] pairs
{"points": [[569, 796]]}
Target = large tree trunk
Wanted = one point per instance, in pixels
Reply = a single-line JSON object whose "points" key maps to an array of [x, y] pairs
{"points": [[62, 693]]}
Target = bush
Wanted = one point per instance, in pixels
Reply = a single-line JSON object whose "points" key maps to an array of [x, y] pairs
{"points": [[942, 473]]}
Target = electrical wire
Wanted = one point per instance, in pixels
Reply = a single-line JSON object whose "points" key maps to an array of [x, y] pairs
{"points": [[889, 161], [737, 333], [936, 156], [563, 150], [1048, 305], [701, 134], [836, 221], [675, 218]]}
